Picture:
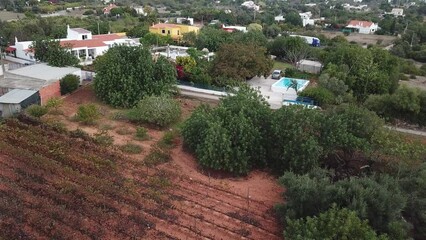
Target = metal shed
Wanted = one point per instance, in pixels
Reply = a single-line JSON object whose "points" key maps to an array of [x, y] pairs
{"points": [[309, 66], [14, 101]]}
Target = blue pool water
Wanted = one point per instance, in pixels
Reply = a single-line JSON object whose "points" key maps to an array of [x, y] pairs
{"points": [[285, 83]]}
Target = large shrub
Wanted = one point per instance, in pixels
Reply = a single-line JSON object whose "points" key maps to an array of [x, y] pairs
{"points": [[335, 223], [294, 139], [321, 95], [231, 137], [406, 103], [36, 111], [125, 75], [377, 199], [158, 110], [69, 83]]}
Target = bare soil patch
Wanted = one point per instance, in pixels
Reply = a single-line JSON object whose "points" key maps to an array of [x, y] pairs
{"points": [[419, 82], [363, 39]]}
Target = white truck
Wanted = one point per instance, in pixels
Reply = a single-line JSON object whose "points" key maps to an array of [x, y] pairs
{"points": [[313, 41]]}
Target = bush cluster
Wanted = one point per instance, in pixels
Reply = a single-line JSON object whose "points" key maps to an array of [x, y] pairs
{"points": [[69, 84], [377, 199], [406, 103], [36, 111], [242, 133], [161, 111], [87, 113]]}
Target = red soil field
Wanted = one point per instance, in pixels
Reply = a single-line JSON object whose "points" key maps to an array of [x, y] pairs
{"points": [[54, 184]]}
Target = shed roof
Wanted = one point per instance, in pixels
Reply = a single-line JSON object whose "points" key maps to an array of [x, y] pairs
{"points": [[44, 72], [310, 63], [20, 82], [16, 96]]}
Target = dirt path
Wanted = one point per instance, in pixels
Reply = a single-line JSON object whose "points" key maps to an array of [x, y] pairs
{"points": [[409, 131]]}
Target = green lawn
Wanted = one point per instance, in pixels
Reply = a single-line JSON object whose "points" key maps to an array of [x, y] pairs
{"points": [[281, 65]]}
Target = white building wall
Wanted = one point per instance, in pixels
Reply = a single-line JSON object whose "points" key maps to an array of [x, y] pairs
{"points": [[74, 35], [181, 20], [21, 53], [101, 50]]}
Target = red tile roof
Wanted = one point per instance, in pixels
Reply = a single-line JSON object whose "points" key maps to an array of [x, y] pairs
{"points": [[107, 9], [96, 41], [364, 24], [10, 49]]}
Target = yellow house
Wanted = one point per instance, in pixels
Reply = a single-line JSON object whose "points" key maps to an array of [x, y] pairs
{"points": [[176, 31]]}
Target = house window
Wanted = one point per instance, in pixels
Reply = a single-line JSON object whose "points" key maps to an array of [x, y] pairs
{"points": [[168, 32], [163, 31], [84, 37]]}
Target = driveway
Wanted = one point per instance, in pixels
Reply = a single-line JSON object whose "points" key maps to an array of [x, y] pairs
{"points": [[274, 99]]}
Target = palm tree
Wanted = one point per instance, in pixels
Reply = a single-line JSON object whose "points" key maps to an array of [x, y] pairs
{"points": [[293, 85]]}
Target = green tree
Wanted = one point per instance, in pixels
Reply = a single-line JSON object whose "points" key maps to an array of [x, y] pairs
{"points": [[254, 27], [364, 71], [154, 39], [294, 144], [241, 62], [377, 199], [294, 19], [413, 182], [138, 31], [335, 223], [121, 84], [291, 49], [53, 53], [232, 136], [211, 38]]}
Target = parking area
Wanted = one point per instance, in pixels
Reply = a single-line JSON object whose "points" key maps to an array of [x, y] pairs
{"points": [[274, 99]]}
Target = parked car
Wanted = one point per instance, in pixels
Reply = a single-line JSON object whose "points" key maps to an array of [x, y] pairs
{"points": [[277, 74]]}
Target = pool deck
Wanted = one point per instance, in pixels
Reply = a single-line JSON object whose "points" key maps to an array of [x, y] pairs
{"points": [[274, 99]]}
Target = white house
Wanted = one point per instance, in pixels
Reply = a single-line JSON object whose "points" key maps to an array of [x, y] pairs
{"points": [[363, 27], [279, 18], [306, 18], [139, 10], [251, 5], [349, 7], [81, 43], [234, 28], [397, 12], [181, 20]]}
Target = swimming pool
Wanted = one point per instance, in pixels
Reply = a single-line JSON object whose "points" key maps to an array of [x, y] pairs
{"points": [[283, 84]]}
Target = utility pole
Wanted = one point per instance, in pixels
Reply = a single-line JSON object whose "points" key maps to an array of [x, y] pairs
{"points": [[98, 29]]}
